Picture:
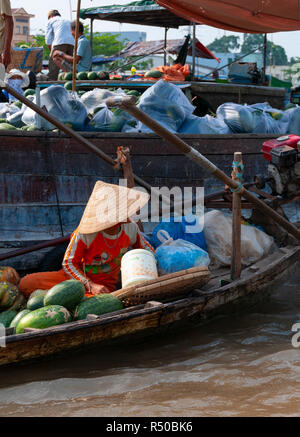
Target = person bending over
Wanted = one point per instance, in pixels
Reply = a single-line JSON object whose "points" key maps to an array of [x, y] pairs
{"points": [[104, 235], [84, 53]]}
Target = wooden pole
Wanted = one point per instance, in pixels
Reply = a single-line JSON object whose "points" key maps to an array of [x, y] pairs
{"points": [[197, 157], [236, 258], [75, 46], [165, 46], [265, 58], [92, 34], [194, 51]]}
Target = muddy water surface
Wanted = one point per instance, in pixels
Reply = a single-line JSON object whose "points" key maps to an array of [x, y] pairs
{"points": [[242, 365]]}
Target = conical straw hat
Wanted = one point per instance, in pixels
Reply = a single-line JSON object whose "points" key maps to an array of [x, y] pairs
{"points": [[109, 205]]}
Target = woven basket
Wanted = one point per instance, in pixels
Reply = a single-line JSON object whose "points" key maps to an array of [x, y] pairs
{"points": [[164, 288], [30, 59]]}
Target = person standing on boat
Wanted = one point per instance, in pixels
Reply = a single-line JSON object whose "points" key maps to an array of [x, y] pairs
{"points": [[84, 53], [58, 37], [103, 236], [6, 32]]}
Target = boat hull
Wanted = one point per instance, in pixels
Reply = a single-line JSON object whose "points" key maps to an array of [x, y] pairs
{"points": [[202, 304]]}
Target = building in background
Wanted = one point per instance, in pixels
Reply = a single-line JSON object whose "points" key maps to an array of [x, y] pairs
{"points": [[130, 36], [290, 73], [206, 66], [21, 26]]}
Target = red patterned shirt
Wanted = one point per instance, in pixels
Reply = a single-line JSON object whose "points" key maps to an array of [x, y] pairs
{"points": [[97, 257]]}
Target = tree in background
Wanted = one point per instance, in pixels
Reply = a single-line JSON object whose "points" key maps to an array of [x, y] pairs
{"points": [[103, 44], [225, 44], [228, 44], [292, 73], [275, 54]]}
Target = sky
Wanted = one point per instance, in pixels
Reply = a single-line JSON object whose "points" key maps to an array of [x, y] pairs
{"points": [[289, 40]]}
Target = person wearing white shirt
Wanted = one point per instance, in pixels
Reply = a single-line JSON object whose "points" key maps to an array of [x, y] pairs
{"points": [[58, 37]]}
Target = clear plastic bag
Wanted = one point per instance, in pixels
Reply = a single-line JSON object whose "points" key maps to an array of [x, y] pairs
{"points": [[237, 117], [268, 120], [166, 104], [95, 98], [176, 255], [179, 230], [255, 244], [294, 121], [120, 119], [101, 120], [7, 109], [62, 105], [16, 119], [204, 125]]}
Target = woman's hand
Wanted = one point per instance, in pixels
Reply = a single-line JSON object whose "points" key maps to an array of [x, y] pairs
{"points": [[95, 289]]}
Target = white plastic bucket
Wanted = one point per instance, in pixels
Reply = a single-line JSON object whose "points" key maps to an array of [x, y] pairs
{"points": [[137, 266]]}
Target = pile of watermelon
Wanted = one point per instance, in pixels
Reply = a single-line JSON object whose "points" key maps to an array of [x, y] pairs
{"points": [[63, 303], [83, 75]]}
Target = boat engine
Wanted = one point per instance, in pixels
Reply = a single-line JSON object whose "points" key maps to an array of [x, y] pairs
{"points": [[283, 155]]}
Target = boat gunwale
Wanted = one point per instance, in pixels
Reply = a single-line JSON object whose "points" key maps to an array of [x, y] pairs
{"points": [[139, 135]]}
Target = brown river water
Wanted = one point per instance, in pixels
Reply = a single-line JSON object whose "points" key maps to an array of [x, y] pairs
{"points": [[237, 365]]}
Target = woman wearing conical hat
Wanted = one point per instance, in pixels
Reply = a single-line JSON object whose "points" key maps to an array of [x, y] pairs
{"points": [[104, 235]]}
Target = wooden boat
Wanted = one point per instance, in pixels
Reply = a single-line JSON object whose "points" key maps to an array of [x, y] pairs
{"points": [[45, 177], [217, 296], [202, 302]]}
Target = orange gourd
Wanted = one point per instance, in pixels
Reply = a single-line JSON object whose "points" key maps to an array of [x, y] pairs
{"points": [[9, 274]]}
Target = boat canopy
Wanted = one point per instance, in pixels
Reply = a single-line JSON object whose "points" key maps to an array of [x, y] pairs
{"points": [[143, 12], [247, 16], [173, 46]]}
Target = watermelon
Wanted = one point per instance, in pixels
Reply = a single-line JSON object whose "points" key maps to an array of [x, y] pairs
{"points": [[29, 92], [67, 294], [31, 128], [44, 317], [7, 126], [2, 120], [38, 293], [61, 76], [18, 317], [35, 302], [100, 304], [92, 75], [18, 104], [6, 317], [8, 295], [154, 73], [133, 93], [68, 86], [82, 75], [68, 76]]}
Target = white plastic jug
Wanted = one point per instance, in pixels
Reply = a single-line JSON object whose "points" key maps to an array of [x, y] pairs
{"points": [[137, 266]]}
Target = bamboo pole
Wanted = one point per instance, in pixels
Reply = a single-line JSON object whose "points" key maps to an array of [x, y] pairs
{"points": [[197, 157], [75, 46], [236, 257]]}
